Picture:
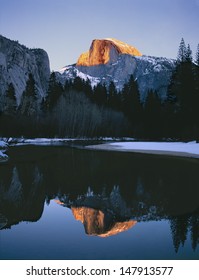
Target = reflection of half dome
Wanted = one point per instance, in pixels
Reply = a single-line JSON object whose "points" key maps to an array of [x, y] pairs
{"points": [[97, 222], [119, 227]]}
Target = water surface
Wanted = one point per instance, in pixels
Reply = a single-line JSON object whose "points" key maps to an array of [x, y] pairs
{"points": [[63, 203]]}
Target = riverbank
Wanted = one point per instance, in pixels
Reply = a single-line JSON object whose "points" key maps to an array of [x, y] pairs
{"points": [[3, 148], [190, 149], [180, 149]]}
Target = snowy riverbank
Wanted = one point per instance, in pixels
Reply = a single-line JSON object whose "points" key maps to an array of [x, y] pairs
{"points": [[60, 141], [3, 148], [190, 149]]}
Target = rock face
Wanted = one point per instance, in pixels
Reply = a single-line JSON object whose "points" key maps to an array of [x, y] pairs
{"points": [[112, 60], [153, 73], [105, 51], [97, 222], [17, 62]]}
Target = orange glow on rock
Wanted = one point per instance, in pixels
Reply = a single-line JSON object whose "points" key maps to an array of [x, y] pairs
{"points": [[104, 51], [95, 222]]}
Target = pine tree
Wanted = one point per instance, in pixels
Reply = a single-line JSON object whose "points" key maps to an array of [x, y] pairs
{"points": [[78, 84], [113, 96], [196, 101], [130, 97], [132, 106], [100, 95], [28, 105], [55, 90], [182, 92], [153, 116], [10, 101], [197, 56], [188, 54], [182, 51]]}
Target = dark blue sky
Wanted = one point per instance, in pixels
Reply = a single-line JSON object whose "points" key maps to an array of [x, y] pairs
{"points": [[65, 28]]}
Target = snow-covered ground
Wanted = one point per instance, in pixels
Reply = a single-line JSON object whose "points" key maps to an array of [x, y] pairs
{"points": [[3, 147], [57, 141], [190, 149], [37, 141]]}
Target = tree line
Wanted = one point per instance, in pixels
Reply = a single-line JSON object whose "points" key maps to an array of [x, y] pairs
{"points": [[76, 109]]}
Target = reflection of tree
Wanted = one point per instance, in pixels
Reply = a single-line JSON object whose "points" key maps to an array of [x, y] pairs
{"points": [[21, 195], [121, 183], [194, 228], [181, 226]]}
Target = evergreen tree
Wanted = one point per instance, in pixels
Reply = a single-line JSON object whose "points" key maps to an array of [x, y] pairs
{"points": [[153, 123], [132, 106], [87, 89], [55, 90], [10, 101], [100, 95], [196, 101], [28, 105], [182, 92], [113, 97], [188, 54], [130, 98], [182, 51], [78, 84], [197, 56]]}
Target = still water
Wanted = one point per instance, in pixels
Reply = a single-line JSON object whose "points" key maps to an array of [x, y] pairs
{"points": [[58, 202]]}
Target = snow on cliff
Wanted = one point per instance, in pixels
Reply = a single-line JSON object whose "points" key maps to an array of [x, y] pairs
{"points": [[108, 60]]}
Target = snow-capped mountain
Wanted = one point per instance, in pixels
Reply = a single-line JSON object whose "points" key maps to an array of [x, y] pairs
{"points": [[112, 60], [107, 60], [17, 62]]}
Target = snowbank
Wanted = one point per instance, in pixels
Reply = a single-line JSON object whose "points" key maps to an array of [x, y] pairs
{"points": [[59, 141], [3, 157], [190, 149], [3, 147]]}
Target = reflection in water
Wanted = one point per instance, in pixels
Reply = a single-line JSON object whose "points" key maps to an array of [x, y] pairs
{"points": [[108, 194], [100, 214], [98, 223], [3, 221]]}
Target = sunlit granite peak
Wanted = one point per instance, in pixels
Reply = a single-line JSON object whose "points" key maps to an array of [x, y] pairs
{"points": [[103, 51]]}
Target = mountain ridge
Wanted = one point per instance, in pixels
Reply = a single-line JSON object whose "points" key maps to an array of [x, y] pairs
{"points": [[113, 65]]}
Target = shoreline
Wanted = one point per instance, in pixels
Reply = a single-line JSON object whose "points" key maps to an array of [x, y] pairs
{"points": [[174, 149], [118, 148]]}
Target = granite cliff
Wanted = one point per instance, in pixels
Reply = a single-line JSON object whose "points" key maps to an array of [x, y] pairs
{"points": [[105, 51], [17, 62], [112, 60]]}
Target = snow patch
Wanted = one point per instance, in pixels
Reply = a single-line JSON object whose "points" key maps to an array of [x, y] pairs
{"points": [[190, 148], [71, 72], [3, 145], [3, 148]]}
